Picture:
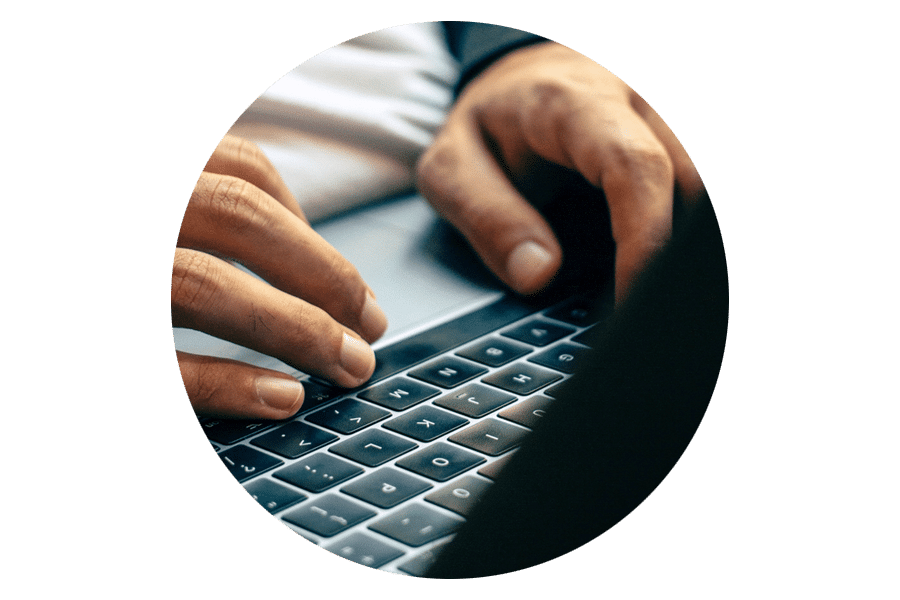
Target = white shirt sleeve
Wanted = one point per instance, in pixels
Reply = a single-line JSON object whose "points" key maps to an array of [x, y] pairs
{"points": [[346, 127]]}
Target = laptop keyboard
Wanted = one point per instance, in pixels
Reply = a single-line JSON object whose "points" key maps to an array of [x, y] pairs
{"points": [[384, 475]]}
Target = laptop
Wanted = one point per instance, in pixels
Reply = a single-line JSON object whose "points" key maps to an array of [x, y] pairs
{"points": [[497, 432]]}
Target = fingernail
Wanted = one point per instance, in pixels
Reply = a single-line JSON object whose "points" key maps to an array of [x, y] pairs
{"points": [[278, 393], [357, 358], [527, 265], [372, 319]]}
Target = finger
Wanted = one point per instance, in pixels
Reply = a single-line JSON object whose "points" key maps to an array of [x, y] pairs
{"points": [[219, 387], [462, 180], [229, 217], [212, 296], [243, 159], [615, 150], [686, 174]]}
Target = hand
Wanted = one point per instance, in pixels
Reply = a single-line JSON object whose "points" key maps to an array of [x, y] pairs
{"points": [[534, 110], [316, 313]]}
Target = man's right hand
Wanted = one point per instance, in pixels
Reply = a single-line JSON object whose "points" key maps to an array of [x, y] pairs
{"points": [[315, 313]]}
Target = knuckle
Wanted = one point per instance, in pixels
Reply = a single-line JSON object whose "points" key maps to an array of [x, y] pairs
{"points": [[430, 164], [555, 116], [555, 101], [342, 271], [303, 327], [239, 157], [437, 175], [253, 162], [238, 152], [646, 160], [315, 336], [229, 203], [247, 152], [233, 203], [345, 290], [204, 385], [655, 161], [552, 94], [216, 387], [195, 282]]}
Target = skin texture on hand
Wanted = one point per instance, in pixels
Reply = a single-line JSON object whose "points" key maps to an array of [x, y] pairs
{"points": [[536, 109], [493, 165], [313, 311]]}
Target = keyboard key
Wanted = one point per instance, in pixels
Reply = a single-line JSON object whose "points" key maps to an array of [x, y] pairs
{"points": [[425, 423], [399, 393], [575, 311], [522, 378], [416, 525], [527, 412], [365, 550], [228, 432], [434, 342], [554, 391], [419, 565], [564, 357], [492, 470], [272, 496], [460, 496], [245, 462], [386, 487], [318, 472], [348, 416], [294, 439], [494, 352], [440, 461], [315, 394], [373, 447], [475, 400], [538, 332], [329, 515], [586, 336], [448, 372], [490, 436]]}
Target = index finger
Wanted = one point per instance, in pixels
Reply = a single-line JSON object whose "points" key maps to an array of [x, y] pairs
{"points": [[228, 217]]}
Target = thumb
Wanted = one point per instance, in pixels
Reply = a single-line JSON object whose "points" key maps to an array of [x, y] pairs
{"points": [[219, 387], [462, 180]]}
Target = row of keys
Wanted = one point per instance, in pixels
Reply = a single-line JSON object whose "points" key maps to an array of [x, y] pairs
{"points": [[384, 488], [520, 378], [402, 393], [297, 438], [493, 352], [413, 525], [376, 447]]}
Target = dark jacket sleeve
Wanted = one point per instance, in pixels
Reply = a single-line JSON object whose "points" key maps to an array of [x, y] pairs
{"points": [[477, 45]]}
